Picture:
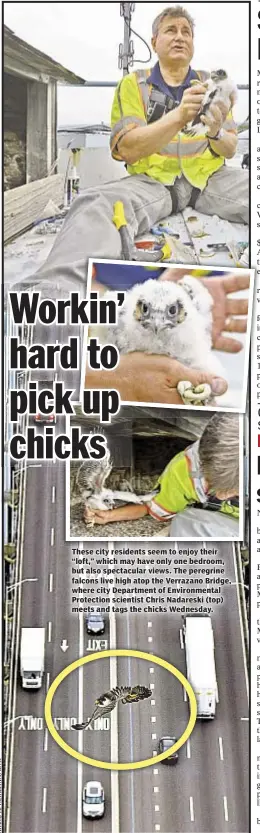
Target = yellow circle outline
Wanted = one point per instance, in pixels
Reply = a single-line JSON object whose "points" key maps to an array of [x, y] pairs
{"points": [[120, 652]]}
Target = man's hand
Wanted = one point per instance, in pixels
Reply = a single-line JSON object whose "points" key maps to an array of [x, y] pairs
{"points": [[224, 308], [142, 377], [215, 118], [191, 103]]}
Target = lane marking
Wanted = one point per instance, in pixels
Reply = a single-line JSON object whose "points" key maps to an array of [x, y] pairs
{"points": [[156, 789], [49, 633], [47, 680], [152, 689], [44, 799], [181, 639], [131, 731], [149, 624], [150, 638], [241, 718], [52, 536], [241, 622], [221, 753], [225, 807], [152, 702], [155, 771], [156, 808], [151, 670], [154, 753], [188, 749], [191, 809], [154, 736], [157, 827], [50, 582], [80, 717], [153, 719], [185, 695], [46, 735], [53, 494]]}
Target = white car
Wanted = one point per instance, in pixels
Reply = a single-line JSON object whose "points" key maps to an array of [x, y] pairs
{"points": [[93, 800]]}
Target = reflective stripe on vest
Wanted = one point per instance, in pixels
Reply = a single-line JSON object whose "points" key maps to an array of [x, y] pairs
{"points": [[192, 456]]}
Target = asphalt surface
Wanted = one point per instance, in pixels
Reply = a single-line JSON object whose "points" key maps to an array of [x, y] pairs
{"points": [[207, 789]]}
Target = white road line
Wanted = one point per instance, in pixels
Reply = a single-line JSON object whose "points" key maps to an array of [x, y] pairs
{"points": [[80, 718], [191, 809], [152, 688], [157, 827], [50, 582], [155, 771], [52, 536], [47, 680], [53, 494], [221, 753], [244, 718], [185, 695], [151, 670], [154, 753], [150, 638], [153, 719], [156, 808], [188, 749], [154, 737], [181, 639], [152, 702], [149, 624], [49, 632], [156, 789], [45, 745], [225, 807], [44, 799], [241, 622]]}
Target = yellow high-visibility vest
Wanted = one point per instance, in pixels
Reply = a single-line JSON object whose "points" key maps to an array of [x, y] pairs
{"points": [[187, 155]]}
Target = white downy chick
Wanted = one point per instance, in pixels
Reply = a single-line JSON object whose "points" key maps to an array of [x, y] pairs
{"points": [[161, 317]]}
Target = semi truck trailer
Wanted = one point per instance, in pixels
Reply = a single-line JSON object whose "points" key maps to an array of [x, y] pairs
{"points": [[32, 657], [200, 663]]}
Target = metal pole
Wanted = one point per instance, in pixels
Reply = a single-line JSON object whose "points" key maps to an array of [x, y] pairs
{"points": [[126, 49], [127, 21]]}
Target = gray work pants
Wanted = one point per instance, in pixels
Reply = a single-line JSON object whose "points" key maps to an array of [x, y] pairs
{"points": [[88, 230]]}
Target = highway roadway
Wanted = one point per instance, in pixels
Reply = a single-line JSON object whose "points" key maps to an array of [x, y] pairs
{"points": [[208, 788]]}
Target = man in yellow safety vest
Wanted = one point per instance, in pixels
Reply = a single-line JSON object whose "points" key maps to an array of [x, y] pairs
{"points": [[150, 112]]}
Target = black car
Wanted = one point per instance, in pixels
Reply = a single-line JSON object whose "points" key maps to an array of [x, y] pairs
{"points": [[164, 744]]}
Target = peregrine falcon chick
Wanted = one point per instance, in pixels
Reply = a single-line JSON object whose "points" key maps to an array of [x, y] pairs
{"points": [[220, 89], [168, 318]]}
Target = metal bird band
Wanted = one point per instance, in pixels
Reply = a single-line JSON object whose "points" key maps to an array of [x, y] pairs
{"points": [[109, 700]]}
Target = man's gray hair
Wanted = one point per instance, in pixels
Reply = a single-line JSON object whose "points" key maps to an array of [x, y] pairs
{"points": [[171, 11], [219, 453]]}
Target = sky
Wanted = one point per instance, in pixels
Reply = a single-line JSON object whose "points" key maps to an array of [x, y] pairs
{"points": [[85, 37]]}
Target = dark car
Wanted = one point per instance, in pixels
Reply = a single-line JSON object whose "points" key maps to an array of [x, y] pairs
{"points": [[95, 623], [45, 419], [164, 744]]}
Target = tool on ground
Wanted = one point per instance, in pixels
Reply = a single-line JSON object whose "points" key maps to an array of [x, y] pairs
{"points": [[160, 252]]}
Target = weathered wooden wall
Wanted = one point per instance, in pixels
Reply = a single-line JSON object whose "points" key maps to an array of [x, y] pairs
{"points": [[24, 205]]}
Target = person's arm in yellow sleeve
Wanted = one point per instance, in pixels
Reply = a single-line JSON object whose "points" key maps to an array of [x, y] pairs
{"points": [[132, 139]]}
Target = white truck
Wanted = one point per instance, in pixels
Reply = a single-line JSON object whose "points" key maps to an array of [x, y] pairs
{"points": [[200, 663], [32, 657]]}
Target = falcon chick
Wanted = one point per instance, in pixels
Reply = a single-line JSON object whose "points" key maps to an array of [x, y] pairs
{"points": [[220, 89], [168, 318]]}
